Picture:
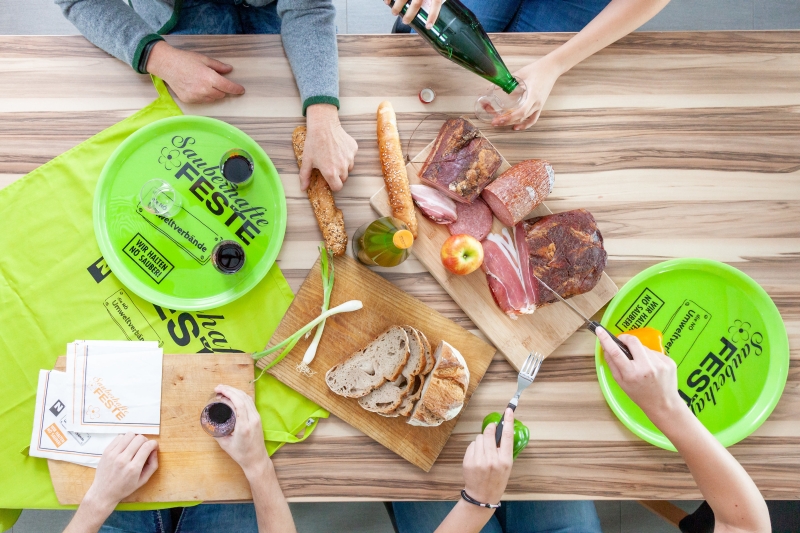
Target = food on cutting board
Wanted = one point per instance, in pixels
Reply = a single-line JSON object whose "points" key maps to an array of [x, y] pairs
{"points": [[444, 391], [519, 190], [462, 254], [508, 271], [473, 219], [434, 205], [388, 397], [367, 369], [394, 168], [398, 375], [329, 218], [462, 162], [566, 252]]}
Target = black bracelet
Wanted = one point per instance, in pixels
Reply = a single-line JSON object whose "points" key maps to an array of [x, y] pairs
{"points": [[473, 501]]}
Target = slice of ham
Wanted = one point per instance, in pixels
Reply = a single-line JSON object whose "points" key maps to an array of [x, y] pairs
{"points": [[473, 219], [508, 272], [433, 204]]}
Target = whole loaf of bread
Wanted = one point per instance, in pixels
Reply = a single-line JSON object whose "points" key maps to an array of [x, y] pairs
{"points": [[394, 168], [329, 218]]}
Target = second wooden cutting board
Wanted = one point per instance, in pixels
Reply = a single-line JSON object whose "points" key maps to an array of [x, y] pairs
{"points": [[543, 331], [384, 305]]}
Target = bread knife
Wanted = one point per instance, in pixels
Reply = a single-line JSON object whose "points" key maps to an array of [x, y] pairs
{"points": [[591, 325]]}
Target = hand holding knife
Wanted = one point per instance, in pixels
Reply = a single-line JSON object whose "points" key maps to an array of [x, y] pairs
{"points": [[591, 325]]}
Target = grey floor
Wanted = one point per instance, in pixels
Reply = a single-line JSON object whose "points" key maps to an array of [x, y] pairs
{"points": [[372, 16]]}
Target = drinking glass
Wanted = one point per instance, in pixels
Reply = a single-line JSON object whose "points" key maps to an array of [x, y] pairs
{"points": [[498, 102], [237, 166], [218, 417], [160, 198]]}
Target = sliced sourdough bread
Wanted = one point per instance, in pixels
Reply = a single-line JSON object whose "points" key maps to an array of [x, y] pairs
{"points": [[407, 405], [445, 389], [388, 397], [426, 348], [381, 360]]}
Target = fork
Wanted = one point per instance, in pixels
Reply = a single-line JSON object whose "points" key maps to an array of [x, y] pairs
{"points": [[526, 376]]}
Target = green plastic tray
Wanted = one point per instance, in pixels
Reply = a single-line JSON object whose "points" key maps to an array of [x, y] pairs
{"points": [[723, 331], [168, 261]]}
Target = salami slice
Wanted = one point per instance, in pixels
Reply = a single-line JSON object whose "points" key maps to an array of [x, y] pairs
{"points": [[473, 219], [519, 190]]}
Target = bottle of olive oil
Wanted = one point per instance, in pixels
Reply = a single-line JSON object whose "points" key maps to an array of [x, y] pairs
{"points": [[458, 36], [384, 242]]}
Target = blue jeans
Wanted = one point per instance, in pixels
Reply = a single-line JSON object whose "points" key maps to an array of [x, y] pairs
{"points": [[535, 15], [226, 17], [512, 517], [205, 518]]}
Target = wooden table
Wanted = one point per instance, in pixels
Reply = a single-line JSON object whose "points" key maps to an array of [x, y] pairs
{"points": [[680, 144]]}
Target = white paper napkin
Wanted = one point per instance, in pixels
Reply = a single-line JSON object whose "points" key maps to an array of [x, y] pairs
{"points": [[50, 438], [115, 387]]}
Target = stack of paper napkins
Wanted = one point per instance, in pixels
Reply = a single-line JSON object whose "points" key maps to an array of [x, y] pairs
{"points": [[110, 387]]}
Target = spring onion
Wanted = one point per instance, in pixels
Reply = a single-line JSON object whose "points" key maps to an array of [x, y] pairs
{"points": [[289, 343], [326, 267]]}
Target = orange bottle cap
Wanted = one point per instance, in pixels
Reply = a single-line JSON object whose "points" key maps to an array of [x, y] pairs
{"points": [[403, 239]]}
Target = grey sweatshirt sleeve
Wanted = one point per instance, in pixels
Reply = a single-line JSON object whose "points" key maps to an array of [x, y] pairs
{"points": [[113, 26], [308, 31]]}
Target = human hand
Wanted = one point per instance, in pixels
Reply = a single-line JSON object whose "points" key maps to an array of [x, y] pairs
{"points": [[195, 78], [127, 464], [328, 147], [246, 444], [539, 78], [650, 379], [487, 467], [432, 7]]}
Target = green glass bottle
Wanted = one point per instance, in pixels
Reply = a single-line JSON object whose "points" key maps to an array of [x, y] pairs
{"points": [[384, 242], [458, 36]]}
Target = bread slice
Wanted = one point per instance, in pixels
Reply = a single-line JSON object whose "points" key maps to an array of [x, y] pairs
{"points": [[445, 389], [381, 360], [429, 360], [388, 396], [408, 403]]}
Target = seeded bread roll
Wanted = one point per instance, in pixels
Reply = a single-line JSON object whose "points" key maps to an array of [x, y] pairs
{"points": [[381, 360], [329, 218], [444, 391], [394, 168]]}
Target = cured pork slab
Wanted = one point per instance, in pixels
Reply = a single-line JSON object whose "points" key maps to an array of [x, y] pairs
{"points": [[519, 190], [566, 252], [461, 163]]}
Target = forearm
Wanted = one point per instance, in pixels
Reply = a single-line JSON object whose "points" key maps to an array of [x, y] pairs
{"points": [[272, 511], [308, 31], [618, 19], [726, 486], [112, 26], [89, 517], [465, 518]]}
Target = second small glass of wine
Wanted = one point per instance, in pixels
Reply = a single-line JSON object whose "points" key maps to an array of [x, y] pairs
{"points": [[497, 102], [218, 418]]}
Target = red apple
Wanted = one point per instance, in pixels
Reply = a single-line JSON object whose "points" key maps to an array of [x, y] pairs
{"points": [[462, 254]]}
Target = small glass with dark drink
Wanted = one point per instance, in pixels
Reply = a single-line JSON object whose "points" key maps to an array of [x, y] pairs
{"points": [[218, 418], [228, 257], [237, 166]]}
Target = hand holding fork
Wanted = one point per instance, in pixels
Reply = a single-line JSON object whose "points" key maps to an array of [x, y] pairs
{"points": [[526, 376]]}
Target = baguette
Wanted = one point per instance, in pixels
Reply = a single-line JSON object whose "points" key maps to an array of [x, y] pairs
{"points": [[329, 218], [394, 169]]}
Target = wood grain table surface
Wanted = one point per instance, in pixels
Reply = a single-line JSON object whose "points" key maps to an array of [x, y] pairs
{"points": [[680, 144]]}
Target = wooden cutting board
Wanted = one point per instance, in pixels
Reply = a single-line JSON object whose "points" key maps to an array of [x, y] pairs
{"points": [[384, 305], [543, 331], [191, 465]]}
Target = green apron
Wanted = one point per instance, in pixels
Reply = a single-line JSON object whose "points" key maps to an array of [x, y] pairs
{"points": [[54, 286]]}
